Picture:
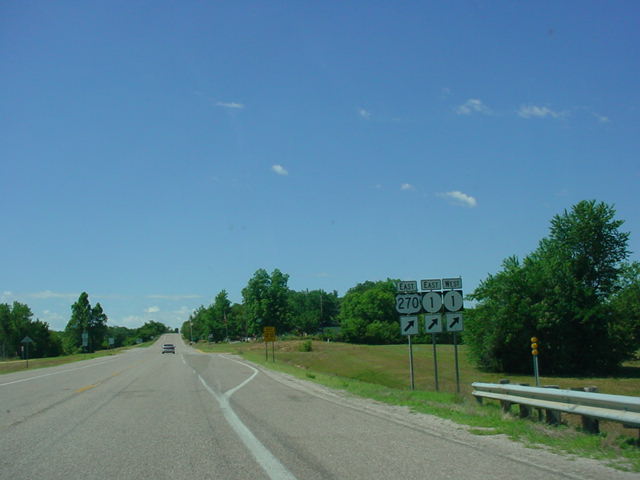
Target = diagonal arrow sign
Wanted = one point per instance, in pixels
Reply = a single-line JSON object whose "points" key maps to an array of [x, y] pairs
{"points": [[433, 323], [454, 322], [410, 325]]}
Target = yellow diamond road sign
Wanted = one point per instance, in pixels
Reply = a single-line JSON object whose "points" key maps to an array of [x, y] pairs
{"points": [[269, 334]]}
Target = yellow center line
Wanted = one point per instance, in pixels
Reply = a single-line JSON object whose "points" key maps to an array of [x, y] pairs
{"points": [[88, 387]]}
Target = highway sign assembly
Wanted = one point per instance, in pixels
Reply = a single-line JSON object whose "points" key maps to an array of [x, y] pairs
{"points": [[442, 302]]}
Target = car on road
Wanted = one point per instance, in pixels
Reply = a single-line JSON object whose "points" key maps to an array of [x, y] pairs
{"points": [[168, 348]]}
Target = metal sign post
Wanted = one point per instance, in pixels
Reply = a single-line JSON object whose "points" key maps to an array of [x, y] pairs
{"points": [[269, 334], [455, 325], [26, 340], [409, 327], [435, 360]]}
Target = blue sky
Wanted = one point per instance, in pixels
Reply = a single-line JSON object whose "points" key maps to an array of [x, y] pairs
{"points": [[154, 153]]}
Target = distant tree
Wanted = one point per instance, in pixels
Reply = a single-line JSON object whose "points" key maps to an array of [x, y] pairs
{"points": [[312, 310], [150, 330], [560, 293], [266, 302], [218, 320], [368, 315], [16, 323], [97, 328], [78, 324], [85, 319]]}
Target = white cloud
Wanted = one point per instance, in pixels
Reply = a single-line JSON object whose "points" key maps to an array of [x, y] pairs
{"points": [[601, 118], [534, 111], [364, 113], [132, 321], [279, 169], [407, 186], [152, 309], [234, 105], [473, 105], [461, 199]]}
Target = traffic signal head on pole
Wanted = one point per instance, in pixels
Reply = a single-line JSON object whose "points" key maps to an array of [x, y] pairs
{"points": [[534, 346]]}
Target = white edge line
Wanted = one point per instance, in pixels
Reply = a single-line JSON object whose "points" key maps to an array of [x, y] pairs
{"points": [[55, 373], [274, 469]]}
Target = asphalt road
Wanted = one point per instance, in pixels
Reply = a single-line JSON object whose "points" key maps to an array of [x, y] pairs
{"points": [[143, 414]]}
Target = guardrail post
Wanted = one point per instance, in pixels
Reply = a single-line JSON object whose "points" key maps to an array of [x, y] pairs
{"points": [[506, 406], [552, 417], [591, 425], [525, 411]]}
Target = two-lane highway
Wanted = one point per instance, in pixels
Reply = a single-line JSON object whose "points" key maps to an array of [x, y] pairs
{"points": [[143, 414]]}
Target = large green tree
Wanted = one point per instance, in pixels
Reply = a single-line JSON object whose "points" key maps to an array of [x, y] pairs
{"points": [[266, 301], [16, 323], [312, 310], [85, 319], [368, 315], [560, 293]]}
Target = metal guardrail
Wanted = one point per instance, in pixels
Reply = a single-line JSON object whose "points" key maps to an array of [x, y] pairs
{"points": [[591, 406]]}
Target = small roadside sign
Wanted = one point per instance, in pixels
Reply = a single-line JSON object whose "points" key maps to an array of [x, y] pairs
{"points": [[433, 323], [407, 287], [452, 283], [269, 334], [85, 339], [454, 322], [453, 300], [409, 325], [433, 284], [408, 303]]}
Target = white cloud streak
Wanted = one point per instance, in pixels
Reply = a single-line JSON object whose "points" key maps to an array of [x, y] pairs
{"points": [[535, 111], [471, 106], [233, 105], [152, 309], [407, 186], [460, 199], [280, 170]]}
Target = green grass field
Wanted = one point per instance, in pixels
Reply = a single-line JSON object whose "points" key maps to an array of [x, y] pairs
{"points": [[388, 365], [382, 373]]}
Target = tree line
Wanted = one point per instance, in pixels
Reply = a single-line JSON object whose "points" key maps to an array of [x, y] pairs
{"points": [[17, 323], [577, 292]]}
